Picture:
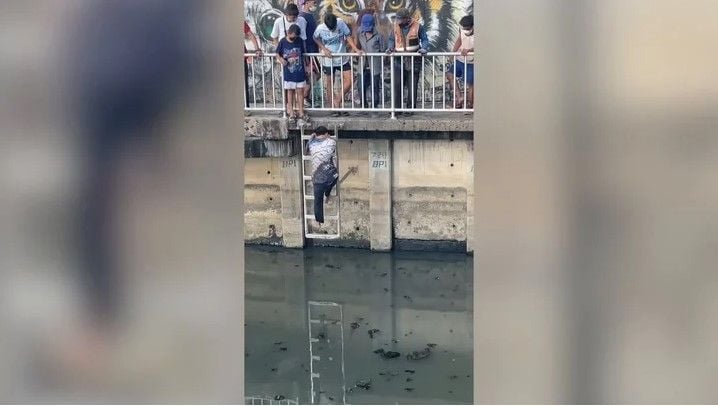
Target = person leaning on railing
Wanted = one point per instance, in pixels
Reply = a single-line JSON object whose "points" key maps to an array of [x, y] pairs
{"points": [[464, 64], [307, 12], [248, 34], [370, 41], [332, 37], [409, 36]]}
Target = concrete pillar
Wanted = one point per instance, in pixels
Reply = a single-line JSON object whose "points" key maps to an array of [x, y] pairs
{"points": [[380, 228], [291, 192], [470, 238]]}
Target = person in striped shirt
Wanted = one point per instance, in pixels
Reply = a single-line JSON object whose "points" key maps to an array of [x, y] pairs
{"points": [[322, 149]]}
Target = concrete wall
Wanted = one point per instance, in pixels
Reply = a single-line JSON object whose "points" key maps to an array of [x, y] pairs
{"points": [[429, 185], [262, 201], [431, 182]]}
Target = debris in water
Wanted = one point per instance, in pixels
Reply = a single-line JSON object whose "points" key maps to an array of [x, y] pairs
{"points": [[246, 354], [331, 398], [436, 278], [382, 275], [366, 385], [468, 376], [395, 341], [282, 348], [409, 389], [372, 332], [418, 355], [431, 345], [451, 330], [330, 266], [386, 290], [407, 297], [409, 379], [452, 377], [321, 336], [354, 325], [387, 354], [411, 371], [279, 397], [274, 369], [390, 373]]}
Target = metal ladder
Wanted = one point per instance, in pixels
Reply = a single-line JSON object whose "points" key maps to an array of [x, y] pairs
{"points": [[326, 352], [305, 197]]}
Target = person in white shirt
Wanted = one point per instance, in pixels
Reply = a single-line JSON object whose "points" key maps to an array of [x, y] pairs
{"points": [[281, 25], [464, 65], [322, 149], [332, 37]]}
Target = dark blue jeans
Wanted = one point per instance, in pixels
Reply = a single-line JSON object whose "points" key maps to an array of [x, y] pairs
{"points": [[321, 190]]}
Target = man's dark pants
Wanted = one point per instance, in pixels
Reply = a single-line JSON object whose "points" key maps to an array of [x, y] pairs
{"points": [[321, 190], [409, 82]]}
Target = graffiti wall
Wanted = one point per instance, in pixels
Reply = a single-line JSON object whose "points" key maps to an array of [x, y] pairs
{"points": [[440, 17]]}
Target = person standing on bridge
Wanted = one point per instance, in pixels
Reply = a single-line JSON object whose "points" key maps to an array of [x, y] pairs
{"points": [[248, 34], [464, 64], [409, 36], [332, 37], [325, 174]]}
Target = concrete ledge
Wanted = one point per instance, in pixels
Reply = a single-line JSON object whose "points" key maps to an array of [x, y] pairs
{"points": [[270, 148], [421, 125], [266, 126]]}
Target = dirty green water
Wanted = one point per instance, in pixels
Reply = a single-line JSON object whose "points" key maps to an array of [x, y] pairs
{"points": [[312, 311]]}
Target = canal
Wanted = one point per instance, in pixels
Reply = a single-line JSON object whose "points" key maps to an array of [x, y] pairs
{"points": [[333, 326]]}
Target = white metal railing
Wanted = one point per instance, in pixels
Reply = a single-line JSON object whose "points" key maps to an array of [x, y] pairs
{"points": [[267, 400], [434, 91]]}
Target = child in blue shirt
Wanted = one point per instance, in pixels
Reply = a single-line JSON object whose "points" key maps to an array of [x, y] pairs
{"points": [[290, 53]]}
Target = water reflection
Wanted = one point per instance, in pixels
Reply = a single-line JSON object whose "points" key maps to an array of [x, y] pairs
{"points": [[334, 326]]}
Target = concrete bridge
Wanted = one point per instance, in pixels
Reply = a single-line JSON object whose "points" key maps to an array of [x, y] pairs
{"points": [[408, 185]]}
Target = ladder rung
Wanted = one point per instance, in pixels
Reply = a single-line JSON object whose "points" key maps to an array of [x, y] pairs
{"points": [[306, 177], [306, 157], [313, 340], [309, 197], [316, 358], [323, 236], [311, 217]]}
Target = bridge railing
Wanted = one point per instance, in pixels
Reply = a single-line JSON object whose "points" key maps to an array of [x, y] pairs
{"points": [[371, 82]]}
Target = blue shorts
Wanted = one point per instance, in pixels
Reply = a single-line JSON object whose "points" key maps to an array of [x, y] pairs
{"points": [[460, 68]]}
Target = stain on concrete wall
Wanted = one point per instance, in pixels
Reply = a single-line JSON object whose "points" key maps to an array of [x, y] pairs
{"points": [[262, 201], [430, 185]]}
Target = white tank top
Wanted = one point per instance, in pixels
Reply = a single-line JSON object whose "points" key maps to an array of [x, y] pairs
{"points": [[467, 42]]}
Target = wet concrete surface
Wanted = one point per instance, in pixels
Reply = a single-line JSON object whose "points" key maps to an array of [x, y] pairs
{"points": [[372, 328]]}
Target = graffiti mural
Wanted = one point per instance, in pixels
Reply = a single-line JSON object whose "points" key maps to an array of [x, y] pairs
{"points": [[439, 17]]}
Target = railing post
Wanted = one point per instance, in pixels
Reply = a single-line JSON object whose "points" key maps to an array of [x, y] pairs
{"points": [[391, 76]]}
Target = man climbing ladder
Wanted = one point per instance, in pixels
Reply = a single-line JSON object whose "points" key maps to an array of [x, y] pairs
{"points": [[322, 150]]}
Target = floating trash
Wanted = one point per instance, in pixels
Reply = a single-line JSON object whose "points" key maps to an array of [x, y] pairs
{"points": [[419, 355], [366, 385], [387, 354], [372, 332]]}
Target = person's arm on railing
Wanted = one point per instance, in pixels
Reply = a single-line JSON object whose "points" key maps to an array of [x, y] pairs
{"points": [[320, 45], [423, 40], [353, 45], [390, 48], [253, 38], [279, 55], [457, 45]]}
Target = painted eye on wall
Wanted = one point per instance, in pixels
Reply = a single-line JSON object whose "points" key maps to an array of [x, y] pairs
{"points": [[394, 5], [265, 23], [349, 6]]}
